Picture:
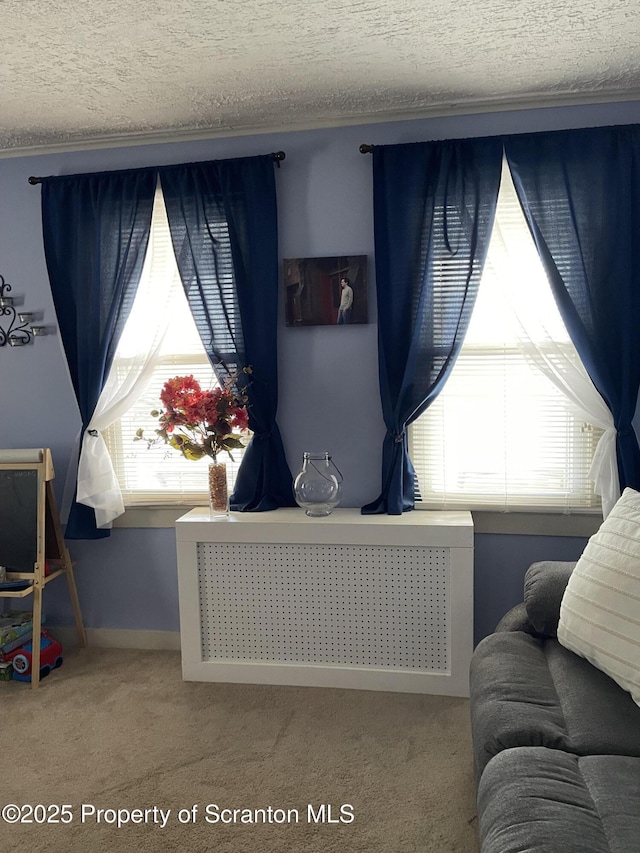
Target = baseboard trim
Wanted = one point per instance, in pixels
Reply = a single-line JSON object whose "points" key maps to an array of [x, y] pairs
{"points": [[109, 638]]}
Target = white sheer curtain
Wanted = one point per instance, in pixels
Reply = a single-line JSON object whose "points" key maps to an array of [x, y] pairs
{"points": [[132, 368], [545, 342]]}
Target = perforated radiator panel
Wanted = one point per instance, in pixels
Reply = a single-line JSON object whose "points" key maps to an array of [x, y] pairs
{"points": [[382, 607]]}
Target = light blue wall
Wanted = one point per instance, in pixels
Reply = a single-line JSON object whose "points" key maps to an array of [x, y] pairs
{"points": [[500, 564], [328, 375]]}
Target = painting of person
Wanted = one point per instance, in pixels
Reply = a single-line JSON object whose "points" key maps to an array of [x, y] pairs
{"points": [[326, 291], [346, 301]]}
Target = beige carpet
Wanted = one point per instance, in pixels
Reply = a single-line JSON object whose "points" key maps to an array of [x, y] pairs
{"points": [[116, 729]]}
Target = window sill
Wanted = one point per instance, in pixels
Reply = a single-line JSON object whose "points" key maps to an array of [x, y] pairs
{"points": [[153, 515], [580, 525]]}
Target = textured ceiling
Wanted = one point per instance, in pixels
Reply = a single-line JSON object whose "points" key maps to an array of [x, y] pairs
{"points": [[76, 72]]}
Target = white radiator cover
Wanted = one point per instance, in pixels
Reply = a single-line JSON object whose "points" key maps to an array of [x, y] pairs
{"points": [[370, 602]]}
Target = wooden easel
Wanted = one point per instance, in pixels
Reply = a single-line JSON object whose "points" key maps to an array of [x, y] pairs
{"points": [[32, 546]]}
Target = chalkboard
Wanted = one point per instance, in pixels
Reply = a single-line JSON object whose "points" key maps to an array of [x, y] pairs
{"points": [[31, 542], [18, 519]]}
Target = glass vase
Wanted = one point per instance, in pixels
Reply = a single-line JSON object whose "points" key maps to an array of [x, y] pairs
{"points": [[218, 491], [318, 486]]}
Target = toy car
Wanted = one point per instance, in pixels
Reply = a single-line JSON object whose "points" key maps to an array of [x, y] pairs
{"points": [[50, 658]]}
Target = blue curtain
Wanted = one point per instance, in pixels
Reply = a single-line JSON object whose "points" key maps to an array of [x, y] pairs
{"points": [[434, 206], [223, 221], [580, 191], [96, 231]]}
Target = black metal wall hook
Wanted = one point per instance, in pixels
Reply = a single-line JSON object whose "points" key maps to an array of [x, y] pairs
{"points": [[18, 329]]}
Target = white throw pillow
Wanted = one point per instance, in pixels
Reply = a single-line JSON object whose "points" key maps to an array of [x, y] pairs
{"points": [[600, 610]]}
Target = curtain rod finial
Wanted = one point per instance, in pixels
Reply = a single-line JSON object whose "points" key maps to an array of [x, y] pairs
{"points": [[33, 181], [366, 149]]}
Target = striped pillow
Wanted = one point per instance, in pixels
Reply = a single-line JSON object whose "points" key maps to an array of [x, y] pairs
{"points": [[600, 610]]}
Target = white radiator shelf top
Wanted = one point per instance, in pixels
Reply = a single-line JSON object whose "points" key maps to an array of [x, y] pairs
{"points": [[343, 526]]}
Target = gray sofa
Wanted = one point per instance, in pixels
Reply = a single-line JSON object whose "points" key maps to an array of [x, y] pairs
{"points": [[556, 741]]}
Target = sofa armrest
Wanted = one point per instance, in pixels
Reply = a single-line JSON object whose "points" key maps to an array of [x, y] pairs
{"points": [[516, 619], [544, 586]]}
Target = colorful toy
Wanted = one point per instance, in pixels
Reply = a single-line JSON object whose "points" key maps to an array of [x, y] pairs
{"points": [[50, 658]]}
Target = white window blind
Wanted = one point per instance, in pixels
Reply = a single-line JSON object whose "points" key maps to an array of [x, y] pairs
{"points": [[501, 435], [161, 475]]}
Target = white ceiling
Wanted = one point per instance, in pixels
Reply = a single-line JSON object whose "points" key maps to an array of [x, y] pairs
{"points": [[77, 72]]}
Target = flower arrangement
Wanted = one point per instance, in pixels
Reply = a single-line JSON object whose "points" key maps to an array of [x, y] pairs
{"points": [[201, 423]]}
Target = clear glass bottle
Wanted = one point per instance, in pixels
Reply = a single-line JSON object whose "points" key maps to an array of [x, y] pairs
{"points": [[318, 486]]}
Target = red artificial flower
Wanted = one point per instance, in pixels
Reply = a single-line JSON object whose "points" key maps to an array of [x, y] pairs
{"points": [[179, 393], [200, 423], [240, 419]]}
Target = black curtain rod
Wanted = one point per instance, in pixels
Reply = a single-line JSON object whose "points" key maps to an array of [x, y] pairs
{"points": [[366, 149], [276, 156]]}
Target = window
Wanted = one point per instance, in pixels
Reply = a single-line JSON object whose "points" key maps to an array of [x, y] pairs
{"points": [[500, 435], [160, 319]]}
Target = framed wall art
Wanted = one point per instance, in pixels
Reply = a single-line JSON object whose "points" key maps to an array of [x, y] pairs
{"points": [[326, 291]]}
